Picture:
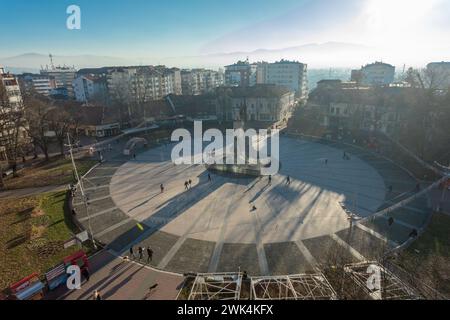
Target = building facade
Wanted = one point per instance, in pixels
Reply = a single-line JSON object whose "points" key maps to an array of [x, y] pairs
{"points": [[440, 72], [375, 74], [290, 74], [142, 84], [262, 103], [63, 77], [89, 88], [40, 84], [200, 81], [11, 107], [240, 74]]}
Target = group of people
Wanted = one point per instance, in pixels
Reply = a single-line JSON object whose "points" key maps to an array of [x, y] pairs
{"points": [[141, 254], [188, 184]]}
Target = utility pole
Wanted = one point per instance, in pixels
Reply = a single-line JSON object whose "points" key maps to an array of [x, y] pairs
{"points": [[83, 195]]}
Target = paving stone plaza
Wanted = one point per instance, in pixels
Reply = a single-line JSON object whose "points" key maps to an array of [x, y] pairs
{"points": [[213, 227]]}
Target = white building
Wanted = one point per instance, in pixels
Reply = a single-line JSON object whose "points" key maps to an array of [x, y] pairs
{"points": [[87, 88], [63, 77], [240, 74], [142, 84], [290, 74], [200, 81], [38, 83], [440, 72], [11, 85], [377, 74], [12, 106]]}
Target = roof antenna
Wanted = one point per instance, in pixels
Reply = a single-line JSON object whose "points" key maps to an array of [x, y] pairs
{"points": [[51, 61]]}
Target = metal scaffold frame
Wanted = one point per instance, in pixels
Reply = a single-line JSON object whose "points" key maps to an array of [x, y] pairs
{"points": [[292, 287], [391, 286], [216, 286]]}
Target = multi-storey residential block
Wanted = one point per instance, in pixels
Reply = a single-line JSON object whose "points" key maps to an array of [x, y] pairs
{"points": [[37, 83], [440, 73], [11, 85], [240, 74], [200, 81], [10, 107], [290, 74], [90, 88], [63, 77], [374, 74], [141, 84]]}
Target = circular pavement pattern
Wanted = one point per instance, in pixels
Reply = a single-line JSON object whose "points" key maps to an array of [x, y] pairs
{"points": [[221, 210], [211, 227]]}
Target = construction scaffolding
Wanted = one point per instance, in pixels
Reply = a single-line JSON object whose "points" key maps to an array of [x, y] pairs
{"points": [[292, 287], [379, 283], [216, 286]]}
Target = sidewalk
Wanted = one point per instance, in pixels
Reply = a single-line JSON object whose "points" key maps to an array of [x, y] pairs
{"points": [[117, 279], [20, 193]]}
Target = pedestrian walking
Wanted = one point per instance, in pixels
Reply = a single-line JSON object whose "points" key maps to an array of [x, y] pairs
{"points": [[186, 185], [288, 180], [149, 255], [85, 273], [209, 177], [131, 253], [190, 183], [97, 295], [270, 180], [391, 221], [141, 253], [162, 188]]}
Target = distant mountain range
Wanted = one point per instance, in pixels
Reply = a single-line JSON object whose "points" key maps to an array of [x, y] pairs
{"points": [[330, 54], [32, 62]]}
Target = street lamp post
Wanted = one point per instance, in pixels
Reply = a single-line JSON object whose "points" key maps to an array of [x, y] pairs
{"points": [[83, 195]]}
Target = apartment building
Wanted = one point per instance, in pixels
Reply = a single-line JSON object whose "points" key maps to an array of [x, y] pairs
{"points": [[200, 81], [63, 77], [289, 74], [37, 83], [240, 74], [144, 83], [10, 106], [440, 72], [90, 88], [374, 74], [12, 87]]}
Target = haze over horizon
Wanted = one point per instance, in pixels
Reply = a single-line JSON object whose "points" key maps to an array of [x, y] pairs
{"points": [[321, 33]]}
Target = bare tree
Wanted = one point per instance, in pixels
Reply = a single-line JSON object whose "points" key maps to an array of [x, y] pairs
{"points": [[38, 112], [12, 126]]}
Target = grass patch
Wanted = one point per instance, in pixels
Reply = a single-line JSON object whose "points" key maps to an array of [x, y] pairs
{"points": [[56, 172], [428, 258], [32, 233]]}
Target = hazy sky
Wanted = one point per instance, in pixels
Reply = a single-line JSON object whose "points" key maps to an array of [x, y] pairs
{"points": [[413, 30]]}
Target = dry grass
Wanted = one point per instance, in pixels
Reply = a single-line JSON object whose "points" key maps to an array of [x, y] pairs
{"points": [[32, 233], [55, 172], [428, 259]]}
